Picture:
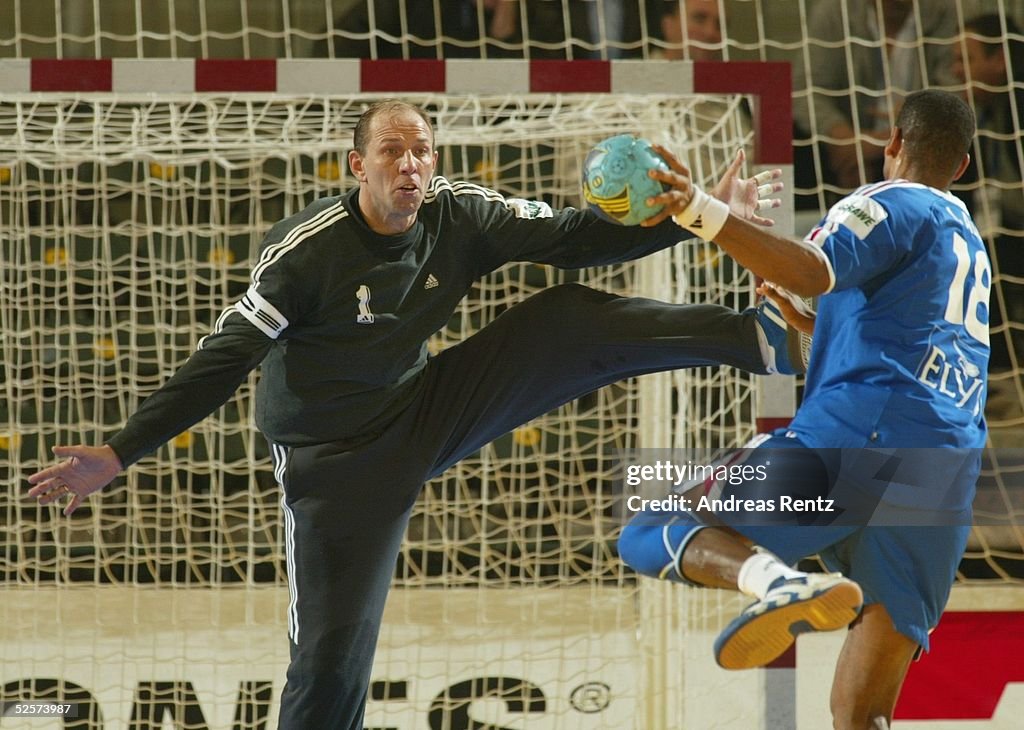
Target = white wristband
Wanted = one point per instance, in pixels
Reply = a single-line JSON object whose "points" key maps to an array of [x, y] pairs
{"points": [[704, 216]]}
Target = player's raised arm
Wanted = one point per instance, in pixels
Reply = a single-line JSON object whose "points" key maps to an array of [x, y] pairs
{"points": [[576, 238], [795, 265]]}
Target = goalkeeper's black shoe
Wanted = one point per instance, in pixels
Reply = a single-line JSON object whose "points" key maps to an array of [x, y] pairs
{"points": [[786, 350], [768, 627]]}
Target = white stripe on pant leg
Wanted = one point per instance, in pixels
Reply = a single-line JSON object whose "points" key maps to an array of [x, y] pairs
{"points": [[293, 588], [280, 454]]}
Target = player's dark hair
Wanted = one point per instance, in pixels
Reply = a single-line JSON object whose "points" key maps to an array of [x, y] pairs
{"points": [[937, 129], [361, 135]]}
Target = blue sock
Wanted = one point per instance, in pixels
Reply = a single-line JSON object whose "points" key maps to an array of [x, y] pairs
{"points": [[653, 544]]}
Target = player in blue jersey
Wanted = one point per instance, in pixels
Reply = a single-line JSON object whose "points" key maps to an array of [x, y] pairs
{"points": [[342, 301], [894, 396]]}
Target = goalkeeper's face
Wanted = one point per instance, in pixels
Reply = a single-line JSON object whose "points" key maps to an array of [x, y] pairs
{"points": [[394, 171]]}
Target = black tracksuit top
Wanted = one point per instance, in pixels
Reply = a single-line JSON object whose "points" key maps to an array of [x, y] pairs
{"points": [[339, 316]]}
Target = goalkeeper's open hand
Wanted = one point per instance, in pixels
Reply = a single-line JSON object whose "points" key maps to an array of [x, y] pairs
{"points": [[84, 470]]}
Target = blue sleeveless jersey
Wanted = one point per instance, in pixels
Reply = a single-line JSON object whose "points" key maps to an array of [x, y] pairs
{"points": [[900, 353]]}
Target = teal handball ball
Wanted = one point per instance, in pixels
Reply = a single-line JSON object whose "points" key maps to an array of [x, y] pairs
{"points": [[615, 181]]}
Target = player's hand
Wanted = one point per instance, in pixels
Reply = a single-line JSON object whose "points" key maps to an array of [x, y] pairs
{"points": [[793, 309], [82, 471], [681, 193], [746, 196]]}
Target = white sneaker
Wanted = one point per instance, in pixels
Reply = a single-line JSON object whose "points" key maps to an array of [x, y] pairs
{"points": [[768, 627]]}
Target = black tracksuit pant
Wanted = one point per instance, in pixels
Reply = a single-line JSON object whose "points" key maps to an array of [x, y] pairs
{"points": [[346, 508]]}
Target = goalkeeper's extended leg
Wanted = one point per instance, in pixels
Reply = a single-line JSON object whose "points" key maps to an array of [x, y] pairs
{"points": [[565, 342]]}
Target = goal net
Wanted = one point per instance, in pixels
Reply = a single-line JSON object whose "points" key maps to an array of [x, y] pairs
{"points": [[129, 223]]}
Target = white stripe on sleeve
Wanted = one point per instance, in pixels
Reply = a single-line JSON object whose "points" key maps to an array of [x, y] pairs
{"points": [[263, 315]]}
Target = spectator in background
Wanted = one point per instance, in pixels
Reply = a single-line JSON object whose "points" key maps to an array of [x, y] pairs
{"points": [[863, 58], [582, 29], [989, 61], [555, 29], [698, 36], [692, 30], [558, 30], [468, 29], [481, 22], [504, 19], [609, 28]]}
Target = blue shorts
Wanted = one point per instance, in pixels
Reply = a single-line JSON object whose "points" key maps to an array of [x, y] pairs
{"points": [[908, 565]]}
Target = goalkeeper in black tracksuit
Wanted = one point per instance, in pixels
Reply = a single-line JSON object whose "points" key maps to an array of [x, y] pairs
{"points": [[342, 302]]}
